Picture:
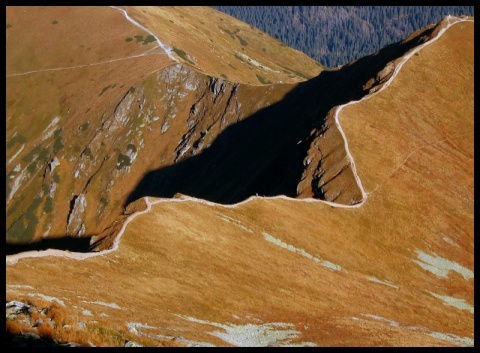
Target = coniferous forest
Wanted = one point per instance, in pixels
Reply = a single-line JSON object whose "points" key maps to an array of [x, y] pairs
{"points": [[336, 35]]}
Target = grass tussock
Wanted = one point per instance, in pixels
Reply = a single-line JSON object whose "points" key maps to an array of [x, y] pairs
{"points": [[16, 327], [59, 324], [58, 315], [46, 330]]}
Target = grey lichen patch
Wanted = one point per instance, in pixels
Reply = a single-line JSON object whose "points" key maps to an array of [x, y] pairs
{"points": [[440, 266], [239, 58], [387, 283], [302, 252], [50, 129], [131, 152], [17, 182], [456, 302], [461, 341], [256, 335], [234, 222]]}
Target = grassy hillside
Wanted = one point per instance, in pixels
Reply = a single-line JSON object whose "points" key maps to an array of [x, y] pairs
{"points": [[395, 269], [83, 112], [222, 46]]}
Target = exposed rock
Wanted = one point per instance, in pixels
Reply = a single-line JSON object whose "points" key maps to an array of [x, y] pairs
{"points": [[217, 85], [53, 163], [132, 344], [164, 127], [37, 322], [386, 73], [75, 218], [14, 308]]}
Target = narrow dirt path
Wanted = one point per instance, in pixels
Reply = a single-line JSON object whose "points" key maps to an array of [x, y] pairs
{"points": [[167, 50], [12, 259]]}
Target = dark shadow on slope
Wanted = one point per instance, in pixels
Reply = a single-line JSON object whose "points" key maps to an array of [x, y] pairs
{"points": [[259, 155], [33, 340], [68, 243], [263, 154]]}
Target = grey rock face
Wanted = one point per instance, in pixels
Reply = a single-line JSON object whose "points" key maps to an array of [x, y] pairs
{"points": [[132, 344], [75, 218]]}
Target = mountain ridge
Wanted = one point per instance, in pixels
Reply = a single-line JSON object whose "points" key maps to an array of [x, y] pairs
{"points": [[253, 266]]}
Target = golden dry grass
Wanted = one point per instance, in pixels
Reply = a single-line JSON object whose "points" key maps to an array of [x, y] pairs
{"points": [[214, 41], [84, 89], [75, 92], [186, 259], [64, 327], [16, 327]]}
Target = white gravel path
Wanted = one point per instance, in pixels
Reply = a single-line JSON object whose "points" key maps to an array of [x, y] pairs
{"points": [[167, 50], [451, 20], [12, 259]]}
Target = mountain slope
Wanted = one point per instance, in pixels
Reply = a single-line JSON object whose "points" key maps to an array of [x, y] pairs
{"points": [[393, 268], [101, 95]]}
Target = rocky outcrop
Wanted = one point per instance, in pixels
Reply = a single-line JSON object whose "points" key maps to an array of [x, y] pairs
{"points": [[328, 174], [179, 130], [75, 224], [34, 320], [374, 84]]}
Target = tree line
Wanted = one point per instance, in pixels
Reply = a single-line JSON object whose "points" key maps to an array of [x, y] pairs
{"points": [[336, 35]]}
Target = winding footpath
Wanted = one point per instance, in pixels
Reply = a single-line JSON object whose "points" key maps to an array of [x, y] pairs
{"points": [[13, 259], [88, 65], [405, 58], [167, 50]]}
